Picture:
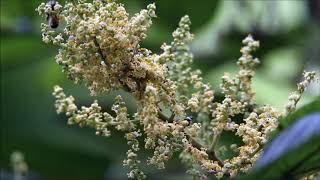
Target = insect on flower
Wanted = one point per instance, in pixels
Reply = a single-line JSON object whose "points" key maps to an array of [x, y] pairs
{"points": [[189, 119], [52, 18]]}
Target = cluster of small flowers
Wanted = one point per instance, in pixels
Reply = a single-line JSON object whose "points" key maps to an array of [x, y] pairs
{"points": [[257, 122], [312, 176], [100, 46], [295, 96], [132, 160], [93, 117], [19, 165]]}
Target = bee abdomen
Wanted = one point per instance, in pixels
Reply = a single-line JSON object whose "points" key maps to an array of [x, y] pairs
{"points": [[53, 21]]}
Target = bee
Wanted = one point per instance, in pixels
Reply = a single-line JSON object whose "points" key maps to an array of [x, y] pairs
{"points": [[53, 19], [189, 119]]}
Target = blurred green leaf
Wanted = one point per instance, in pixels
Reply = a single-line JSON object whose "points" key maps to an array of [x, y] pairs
{"points": [[50, 74], [270, 92], [21, 50], [269, 17], [32, 126], [297, 160], [307, 109], [276, 64]]}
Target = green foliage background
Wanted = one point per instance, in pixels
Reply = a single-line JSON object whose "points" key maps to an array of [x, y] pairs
{"points": [[289, 31]]}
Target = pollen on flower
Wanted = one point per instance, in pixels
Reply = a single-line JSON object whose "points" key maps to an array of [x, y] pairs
{"points": [[100, 48]]}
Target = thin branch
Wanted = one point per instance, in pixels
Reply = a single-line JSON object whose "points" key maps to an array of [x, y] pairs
{"points": [[211, 153], [99, 49]]}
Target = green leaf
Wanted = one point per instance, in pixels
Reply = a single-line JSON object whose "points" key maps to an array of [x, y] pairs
{"points": [[299, 113], [293, 164]]}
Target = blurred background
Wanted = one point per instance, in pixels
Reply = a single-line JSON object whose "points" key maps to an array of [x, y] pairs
{"points": [[288, 30]]}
